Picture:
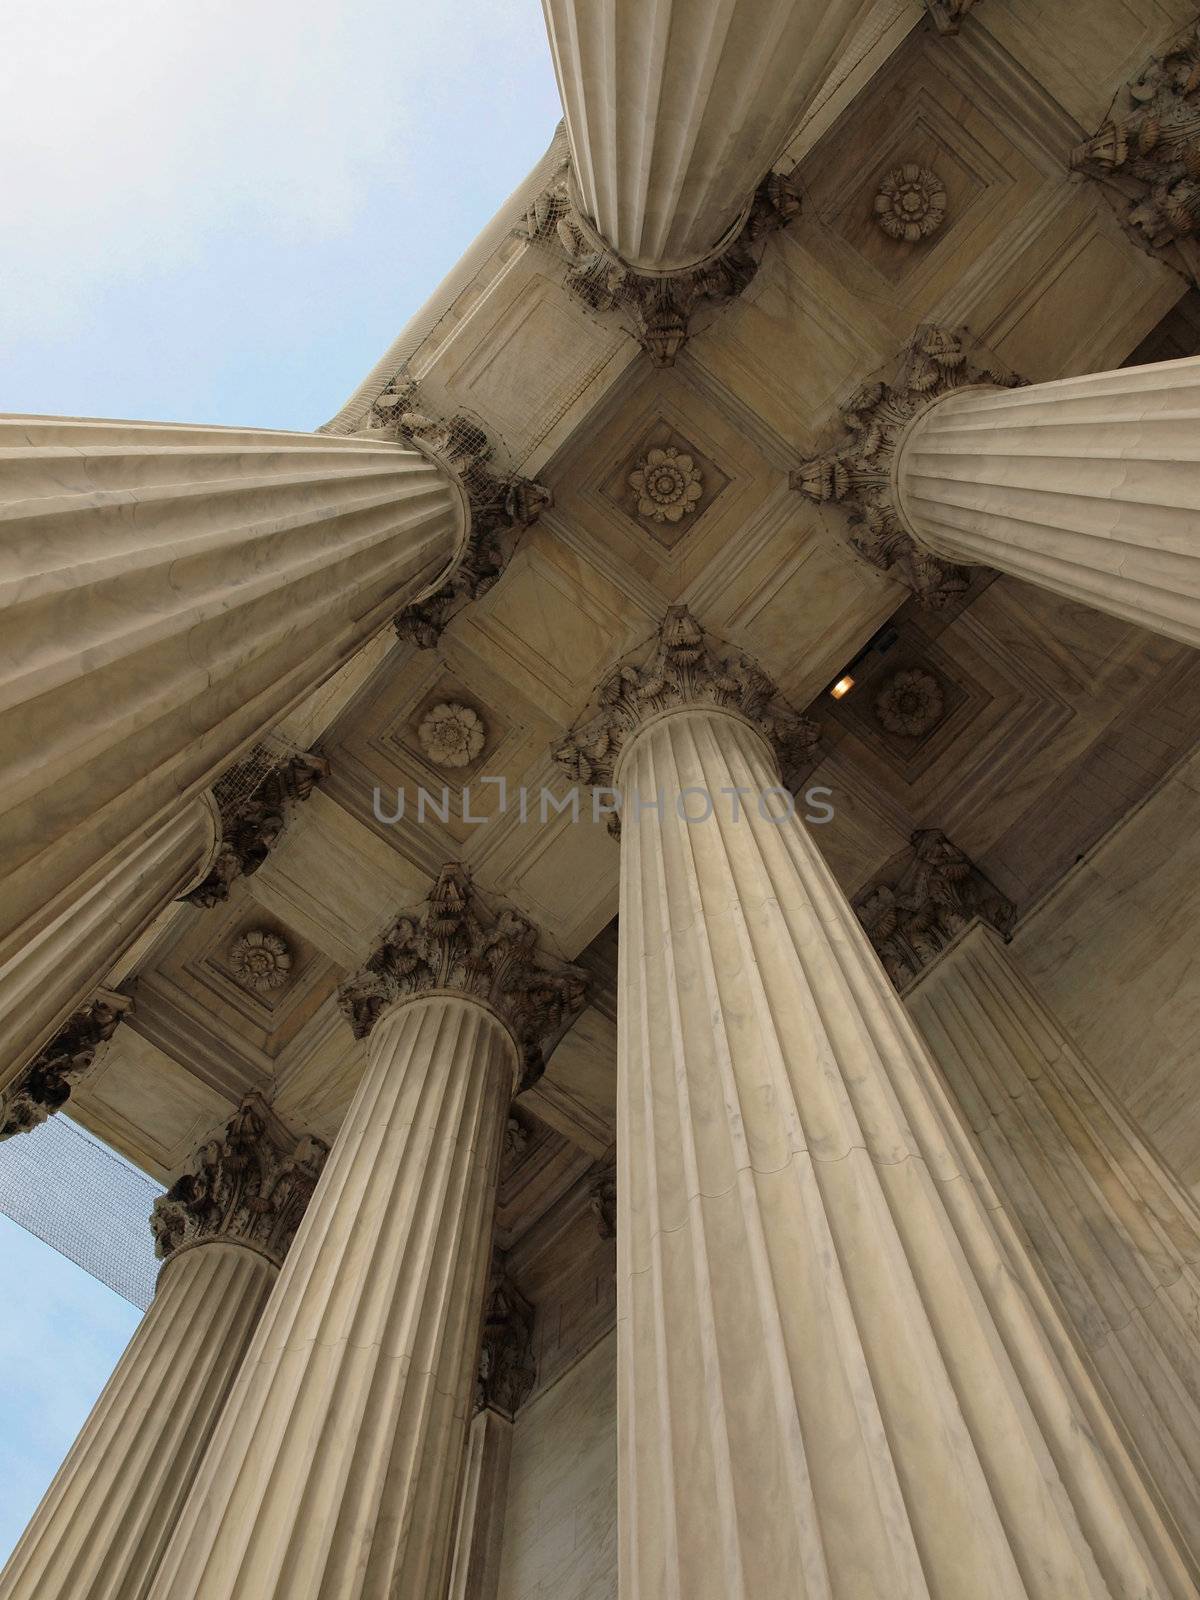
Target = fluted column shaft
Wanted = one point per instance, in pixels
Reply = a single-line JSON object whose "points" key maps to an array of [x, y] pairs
{"points": [[1087, 486], [479, 1539], [677, 108], [840, 1375], [67, 958], [333, 1470], [1114, 1229], [101, 1527], [167, 594]]}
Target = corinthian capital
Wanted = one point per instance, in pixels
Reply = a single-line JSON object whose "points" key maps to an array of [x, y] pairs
{"points": [[46, 1083], [947, 15], [450, 945], [858, 475], [923, 900], [682, 668], [502, 505], [1146, 152], [658, 309], [255, 802], [507, 1368], [248, 1184]]}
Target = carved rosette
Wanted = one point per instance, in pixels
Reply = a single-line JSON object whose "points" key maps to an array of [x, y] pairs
{"points": [[920, 904], [450, 946], [249, 1184], [1150, 153], [666, 485], [683, 669], [252, 823], [45, 1085], [507, 1369], [658, 310], [502, 507], [260, 960], [858, 475], [911, 203], [451, 734], [910, 703]]}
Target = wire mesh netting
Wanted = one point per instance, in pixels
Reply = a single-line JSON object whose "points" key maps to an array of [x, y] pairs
{"points": [[85, 1201], [240, 782]]}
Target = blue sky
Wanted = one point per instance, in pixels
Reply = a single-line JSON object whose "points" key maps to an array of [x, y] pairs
{"points": [[223, 211], [61, 1334]]}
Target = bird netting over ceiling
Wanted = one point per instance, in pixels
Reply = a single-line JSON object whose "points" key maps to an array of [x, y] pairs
{"points": [[84, 1200]]}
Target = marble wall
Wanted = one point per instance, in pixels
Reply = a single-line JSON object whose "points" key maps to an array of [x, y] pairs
{"points": [[1115, 951], [560, 1537]]}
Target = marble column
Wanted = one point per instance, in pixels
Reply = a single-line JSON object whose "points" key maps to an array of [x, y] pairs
{"points": [[224, 1228], [677, 108], [1087, 486], [479, 1540], [506, 1377], [839, 1372], [168, 594], [1115, 1230], [48, 980], [334, 1468]]}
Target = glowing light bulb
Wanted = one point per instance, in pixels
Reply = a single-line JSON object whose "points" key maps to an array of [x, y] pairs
{"points": [[842, 687]]}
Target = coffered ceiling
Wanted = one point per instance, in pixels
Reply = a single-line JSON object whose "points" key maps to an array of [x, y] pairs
{"points": [[1020, 725]]}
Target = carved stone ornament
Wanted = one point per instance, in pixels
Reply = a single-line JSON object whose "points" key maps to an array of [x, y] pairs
{"points": [[666, 485], [507, 1369], [451, 734], [916, 907], [947, 15], [1149, 153], [658, 310], [858, 474], [45, 1085], [911, 203], [252, 822], [910, 703], [250, 1184], [602, 1199], [260, 960], [502, 507], [682, 669], [450, 946], [516, 1142]]}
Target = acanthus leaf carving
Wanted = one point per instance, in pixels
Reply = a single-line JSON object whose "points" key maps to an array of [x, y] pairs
{"points": [[1149, 154], [947, 15], [857, 475], [507, 1368], [682, 668], [919, 905], [250, 1184], [45, 1085], [602, 1198], [251, 823], [657, 309], [449, 945], [502, 506]]}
